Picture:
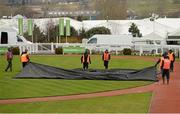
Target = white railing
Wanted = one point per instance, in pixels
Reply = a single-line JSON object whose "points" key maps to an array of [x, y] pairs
{"points": [[49, 48]]}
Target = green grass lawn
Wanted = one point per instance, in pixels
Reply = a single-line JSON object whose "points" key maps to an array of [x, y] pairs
{"points": [[25, 88], [131, 103]]}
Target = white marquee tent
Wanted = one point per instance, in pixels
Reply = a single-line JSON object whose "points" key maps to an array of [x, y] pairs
{"points": [[160, 27]]}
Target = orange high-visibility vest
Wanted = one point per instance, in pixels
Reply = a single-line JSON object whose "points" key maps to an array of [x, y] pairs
{"points": [[167, 63], [106, 56], [24, 58], [171, 58], [161, 61], [88, 59]]}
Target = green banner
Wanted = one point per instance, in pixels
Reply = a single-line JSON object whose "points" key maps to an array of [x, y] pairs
{"points": [[30, 27], [73, 50], [20, 26], [68, 28], [61, 27]]}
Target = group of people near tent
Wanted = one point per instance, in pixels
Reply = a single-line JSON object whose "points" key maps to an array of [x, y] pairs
{"points": [[166, 61]]}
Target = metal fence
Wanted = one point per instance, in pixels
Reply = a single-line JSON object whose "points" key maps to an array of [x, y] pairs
{"points": [[49, 48]]}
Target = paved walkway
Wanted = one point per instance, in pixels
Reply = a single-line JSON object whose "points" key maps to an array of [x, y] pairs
{"points": [[166, 98]]}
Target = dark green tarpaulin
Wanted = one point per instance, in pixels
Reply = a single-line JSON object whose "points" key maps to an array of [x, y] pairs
{"points": [[38, 71]]}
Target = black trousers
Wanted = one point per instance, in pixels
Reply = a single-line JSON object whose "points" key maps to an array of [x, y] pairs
{"points": [[85, 66], [166, 74], [24, 64], [172, 66], [106, 64], [9, 66]]}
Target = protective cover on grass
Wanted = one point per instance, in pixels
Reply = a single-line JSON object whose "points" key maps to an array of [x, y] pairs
{"points": [[39, 71]]}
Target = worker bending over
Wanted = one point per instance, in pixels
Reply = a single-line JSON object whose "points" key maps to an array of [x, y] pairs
{"points": [[160, 62]]}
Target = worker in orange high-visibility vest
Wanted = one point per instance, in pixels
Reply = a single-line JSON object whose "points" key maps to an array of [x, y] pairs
{"points": [[166, 69], [172, 59], [160, 61], [25, 58], [86, 60], [106, 57]]}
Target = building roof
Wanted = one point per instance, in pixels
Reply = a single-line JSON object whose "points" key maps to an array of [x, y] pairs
{"points": [[154, 36], [175, 33], [19, 16], [8, 29], [161, 26]]}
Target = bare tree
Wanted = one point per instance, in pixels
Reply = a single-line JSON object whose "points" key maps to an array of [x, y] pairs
{"points": [[3, 2], [45, 8], [176, 1], [4, 11], [161, 7], [49, 27], [113, 9], [25, 11]]}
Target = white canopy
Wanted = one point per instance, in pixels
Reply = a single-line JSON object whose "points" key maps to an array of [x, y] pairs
{"points": [[175, 33], [154, 36]]}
